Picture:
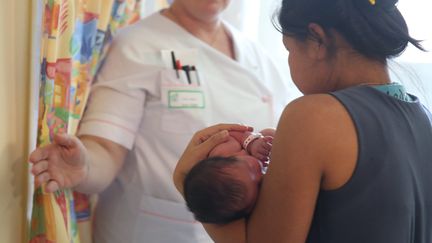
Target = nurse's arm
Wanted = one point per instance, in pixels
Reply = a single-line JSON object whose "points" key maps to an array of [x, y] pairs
{"points": [[105, 159], [88, 164]]}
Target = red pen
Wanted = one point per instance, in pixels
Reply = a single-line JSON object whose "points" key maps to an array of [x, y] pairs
{"points": [[178, 65]]}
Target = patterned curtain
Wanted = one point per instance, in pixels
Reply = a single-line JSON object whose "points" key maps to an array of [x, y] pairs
{"points": [[76, 35]]}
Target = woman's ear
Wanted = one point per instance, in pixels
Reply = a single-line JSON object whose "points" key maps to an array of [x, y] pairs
{"points": [[318, 42]]}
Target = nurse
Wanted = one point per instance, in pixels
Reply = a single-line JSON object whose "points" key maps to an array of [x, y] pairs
{"points": [[169, 75]]}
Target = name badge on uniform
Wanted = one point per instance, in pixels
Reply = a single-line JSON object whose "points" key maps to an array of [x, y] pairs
{"points": [[190, 98]]}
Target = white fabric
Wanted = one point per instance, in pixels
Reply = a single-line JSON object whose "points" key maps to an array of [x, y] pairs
{"points": [[129, 106]]}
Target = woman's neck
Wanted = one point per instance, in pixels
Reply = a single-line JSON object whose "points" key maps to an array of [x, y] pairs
{"points": [[359, 70], [210, 30], [205, 30]]}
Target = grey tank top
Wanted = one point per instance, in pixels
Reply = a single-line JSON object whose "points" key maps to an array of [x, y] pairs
{"points": [[389, 196]]}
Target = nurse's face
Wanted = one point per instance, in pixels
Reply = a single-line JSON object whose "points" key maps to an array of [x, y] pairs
{"points": [[204, 10]]}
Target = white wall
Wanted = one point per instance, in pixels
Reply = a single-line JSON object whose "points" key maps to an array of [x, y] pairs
{"points": [[14, 79]]}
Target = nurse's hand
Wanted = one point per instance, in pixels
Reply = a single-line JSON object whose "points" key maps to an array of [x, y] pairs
{"points": [[200, 146], [62, 164]]}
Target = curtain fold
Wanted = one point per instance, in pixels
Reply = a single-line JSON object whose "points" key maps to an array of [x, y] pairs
{"points": [[76, 35]]}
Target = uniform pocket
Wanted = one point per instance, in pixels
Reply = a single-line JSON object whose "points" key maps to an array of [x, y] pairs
{"points": [[166, 210], [166, 221], [184, 105]]}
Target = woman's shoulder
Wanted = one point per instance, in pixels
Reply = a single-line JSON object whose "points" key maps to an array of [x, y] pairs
{"points": [[313, 107], [320, 130], [318, 118]]}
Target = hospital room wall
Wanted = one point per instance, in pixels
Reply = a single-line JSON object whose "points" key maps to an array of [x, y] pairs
{"points": [[14, 97]]}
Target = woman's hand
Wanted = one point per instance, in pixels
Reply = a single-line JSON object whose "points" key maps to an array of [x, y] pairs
{"points": [[62, 164], [200, 146]]}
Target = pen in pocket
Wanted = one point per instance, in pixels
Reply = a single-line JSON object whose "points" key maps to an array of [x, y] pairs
{"points": [[183, 68], [194, 69], [186, 69], [174, 63]]}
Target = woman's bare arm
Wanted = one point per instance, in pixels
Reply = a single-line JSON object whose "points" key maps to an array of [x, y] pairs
{"points": [[314, 134], [314, 148]]}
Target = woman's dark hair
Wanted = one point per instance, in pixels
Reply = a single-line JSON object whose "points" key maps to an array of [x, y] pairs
{"points": [[376, 30], [214, 195]]}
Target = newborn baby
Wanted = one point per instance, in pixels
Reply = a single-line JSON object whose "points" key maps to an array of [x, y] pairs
{"points": [[224, 187]]}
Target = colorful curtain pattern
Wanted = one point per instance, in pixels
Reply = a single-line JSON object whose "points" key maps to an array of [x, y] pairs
{"points": [[76, 35]]}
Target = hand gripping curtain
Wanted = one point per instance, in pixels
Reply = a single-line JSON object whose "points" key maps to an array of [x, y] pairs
{"points": [[76, 35]]}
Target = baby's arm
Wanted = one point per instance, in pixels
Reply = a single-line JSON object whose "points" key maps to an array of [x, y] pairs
{"points": [[260, 148], [256, 144]]}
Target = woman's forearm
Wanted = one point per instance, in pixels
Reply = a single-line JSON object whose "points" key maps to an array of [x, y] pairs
{"points": [[105, 159], [234, 232]]}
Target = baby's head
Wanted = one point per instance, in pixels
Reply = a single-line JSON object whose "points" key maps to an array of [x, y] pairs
{"points": [[222, 189]]}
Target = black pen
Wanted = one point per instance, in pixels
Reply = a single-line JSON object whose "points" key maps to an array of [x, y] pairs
{"points": [[193, 68], [186, 68], [174, 63]]}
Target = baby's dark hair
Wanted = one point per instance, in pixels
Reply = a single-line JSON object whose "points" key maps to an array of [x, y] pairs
{"points": [[212, 194], [376, 29]]}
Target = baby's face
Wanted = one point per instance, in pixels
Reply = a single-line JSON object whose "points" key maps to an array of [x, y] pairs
{"points": [[248, 169], [253, 166]]}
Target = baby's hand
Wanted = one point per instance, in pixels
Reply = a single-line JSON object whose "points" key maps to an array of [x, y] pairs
{"points": [[260, 148]]}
